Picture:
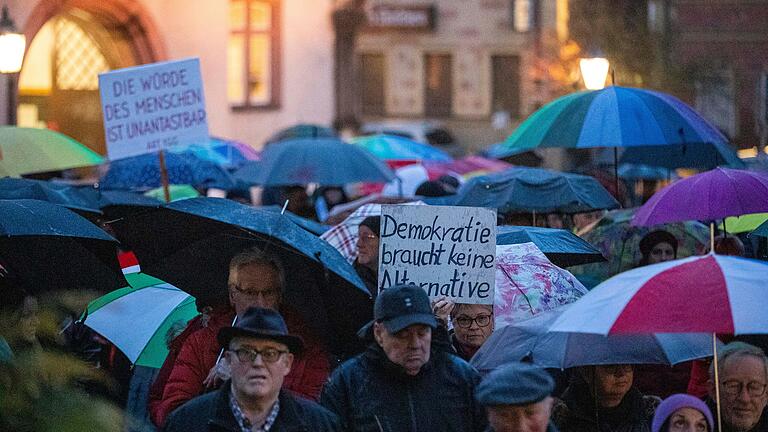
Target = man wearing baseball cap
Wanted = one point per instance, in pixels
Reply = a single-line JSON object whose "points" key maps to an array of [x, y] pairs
{"points": [[400, 383], [260, 352], [517, 398]]}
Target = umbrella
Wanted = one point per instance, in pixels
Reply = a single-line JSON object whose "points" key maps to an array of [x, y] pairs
{"points": [[561, 247], [626, 117], [189, 244], [468, 167], [630, 171], [302, 130], [327, 161], [392, 147], [227, 153], [711, 195], [143, 172], [761, 231], [137, 318], [619, 241], [710, 293], [522, 189], [68, 196], [308, 224], [531, 339], [115, 204], [744, 223], [176, 192], [30, 150], [528, 283], [45, 247]]}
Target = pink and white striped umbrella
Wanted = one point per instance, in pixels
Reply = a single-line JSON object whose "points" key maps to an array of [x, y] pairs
{"points": [[701, 294]]}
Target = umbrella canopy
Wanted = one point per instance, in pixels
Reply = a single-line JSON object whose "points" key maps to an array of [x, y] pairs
{"points": [[619, 241], [393, 147], [702, 294], [521, 189], [189, 243], [527, 283], [223, 152], [532, 339], [143, 172], [468, 166], [744, 223], [67, 196], [45, 247], [302, 130], [327, 161], [562, 247], [30, 150], [761, 231], [711, 195], [137, 318], [176, 192], [623, 117]]}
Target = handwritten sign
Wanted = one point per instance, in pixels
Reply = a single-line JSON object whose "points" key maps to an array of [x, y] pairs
{"points": [[448, 251], [153, 107]]}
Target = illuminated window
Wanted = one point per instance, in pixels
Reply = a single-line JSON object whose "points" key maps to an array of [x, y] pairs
{"points": [[253, 61], [524, 15]]}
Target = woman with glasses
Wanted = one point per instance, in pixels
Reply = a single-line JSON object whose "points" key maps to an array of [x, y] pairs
{"points": [[472, 325]]}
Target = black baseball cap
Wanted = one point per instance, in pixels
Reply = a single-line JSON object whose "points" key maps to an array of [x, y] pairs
{"points": [[399, 307]]}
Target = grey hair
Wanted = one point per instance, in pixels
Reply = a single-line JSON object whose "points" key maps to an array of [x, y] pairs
{"points": [[738, 349], [458, 307], [255, 255]]}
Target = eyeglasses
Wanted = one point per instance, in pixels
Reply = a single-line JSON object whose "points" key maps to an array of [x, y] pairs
{"points": [[734, 388], [265, 293], [466, 322], [269, 355], [367, 237]]}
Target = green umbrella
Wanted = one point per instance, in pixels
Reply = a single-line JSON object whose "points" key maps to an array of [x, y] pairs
{"points": [[137, 318], [744, 223], [177, 192], [29, 150]]}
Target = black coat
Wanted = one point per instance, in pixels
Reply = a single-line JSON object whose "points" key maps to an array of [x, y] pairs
{"points": [[211, 413], [370, 393]]}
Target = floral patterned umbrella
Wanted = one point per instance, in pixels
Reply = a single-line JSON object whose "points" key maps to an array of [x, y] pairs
{"points": [[528, 283]]}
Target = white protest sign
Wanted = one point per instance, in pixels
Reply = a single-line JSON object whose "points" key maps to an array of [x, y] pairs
{"points": [[448, 251], [153, 107]]}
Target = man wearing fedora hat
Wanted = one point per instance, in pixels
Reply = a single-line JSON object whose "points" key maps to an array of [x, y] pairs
{"points": [[260, 352], [402, 383]]}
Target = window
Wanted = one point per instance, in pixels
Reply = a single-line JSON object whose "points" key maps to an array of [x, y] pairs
{"points": [[438, 88], [524, 15], [372, 91], [506, 84], [253, 54]]}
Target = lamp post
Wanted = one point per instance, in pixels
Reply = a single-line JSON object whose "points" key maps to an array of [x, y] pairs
{"points": [[12, 45], [594, 71]]}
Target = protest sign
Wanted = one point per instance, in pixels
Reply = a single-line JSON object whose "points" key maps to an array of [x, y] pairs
{"points": [[448, 251], [153, 107]]}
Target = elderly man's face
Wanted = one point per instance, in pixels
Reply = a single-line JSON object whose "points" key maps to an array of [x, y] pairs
{"points": [[523, 418], [254, 285], [742, 391], [408, 348], [258, 377]]}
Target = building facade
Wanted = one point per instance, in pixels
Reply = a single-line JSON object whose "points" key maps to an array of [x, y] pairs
{"points": [[266, 64], [473, 65]]}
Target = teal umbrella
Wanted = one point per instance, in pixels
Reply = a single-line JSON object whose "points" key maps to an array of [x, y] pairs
{"points": [[392, 147], [137, 318], [32, 150]]}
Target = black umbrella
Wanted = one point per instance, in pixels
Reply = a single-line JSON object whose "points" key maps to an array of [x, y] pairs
{"points": [[68, 196], [189, 244], [116, 204], [562, 247], [45, 247]]}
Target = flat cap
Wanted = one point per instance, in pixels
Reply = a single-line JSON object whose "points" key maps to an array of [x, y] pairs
{"points": [[515, 384]]}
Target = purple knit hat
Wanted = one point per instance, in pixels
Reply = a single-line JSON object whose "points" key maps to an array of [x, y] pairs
{"points": [[673, 403]]}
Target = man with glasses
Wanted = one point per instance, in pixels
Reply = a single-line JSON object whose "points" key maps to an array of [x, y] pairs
{"points": [[743, 375], [260, 353], [256, 279], [472, 325]]}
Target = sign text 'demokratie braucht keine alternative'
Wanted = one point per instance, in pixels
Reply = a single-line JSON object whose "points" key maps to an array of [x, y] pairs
{"points": [[448, 251]]}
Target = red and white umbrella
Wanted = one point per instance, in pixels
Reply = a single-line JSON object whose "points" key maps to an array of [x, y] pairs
{"points": [[702, 294]]}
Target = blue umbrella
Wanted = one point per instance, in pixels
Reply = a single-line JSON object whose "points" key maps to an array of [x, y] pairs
{"points": [[308, 224], [45, 247], [521, 190], [328, 161], [143, 172], [67, 196], [531, 339], [227, 153], [189, 243], [562, 247], [302, 130], [393, 147], [761, 231]]}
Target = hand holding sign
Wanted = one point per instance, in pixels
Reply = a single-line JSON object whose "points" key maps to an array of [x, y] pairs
{"points": [[448, 251]]}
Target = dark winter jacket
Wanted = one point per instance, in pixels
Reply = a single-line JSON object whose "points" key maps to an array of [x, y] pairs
{"points": [[761, 426], [576, 411], [370, 393], [211, 413]]}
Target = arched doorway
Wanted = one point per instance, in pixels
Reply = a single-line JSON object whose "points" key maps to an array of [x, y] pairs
{"points": [[73, 42]]}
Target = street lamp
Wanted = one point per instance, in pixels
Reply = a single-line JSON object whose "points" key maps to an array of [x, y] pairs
{"points": [[12, 45], [594, 71]]}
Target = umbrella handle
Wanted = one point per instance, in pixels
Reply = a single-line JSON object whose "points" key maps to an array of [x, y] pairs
{"points": [[717, 382], [221, 353]]}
